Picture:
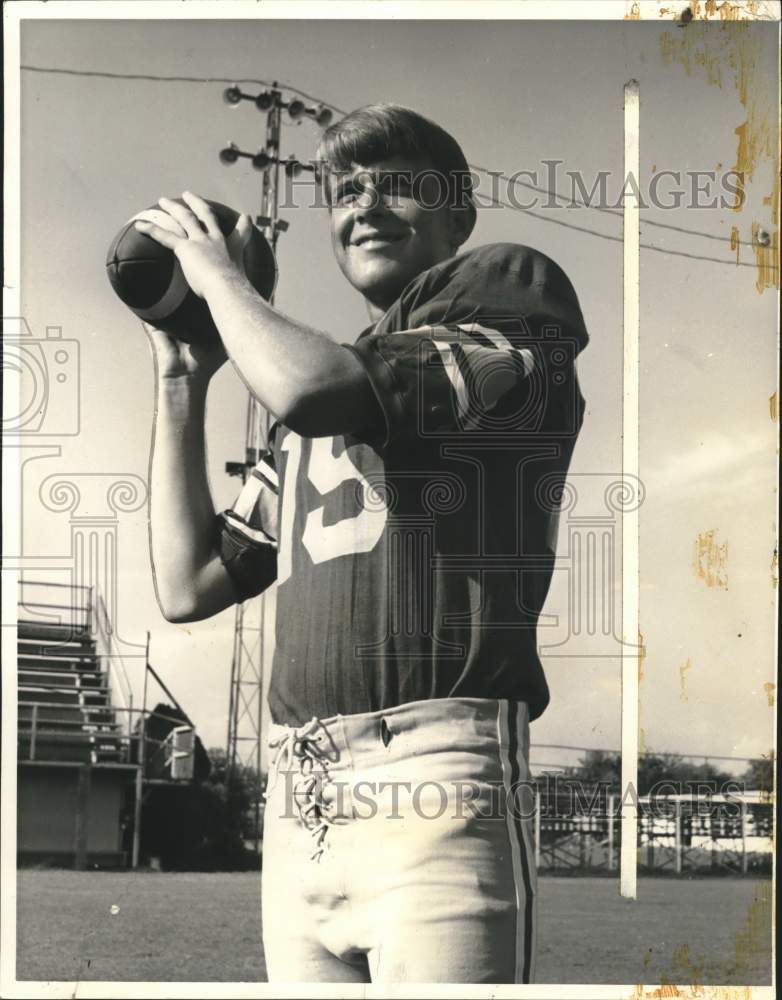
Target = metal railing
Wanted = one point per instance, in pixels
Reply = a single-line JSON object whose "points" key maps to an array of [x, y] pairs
{"points": [[111, 658], [65, 731], [81, 614], [85, 611]]}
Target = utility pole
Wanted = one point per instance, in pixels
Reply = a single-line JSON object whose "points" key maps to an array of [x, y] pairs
{"points": [[245, 711]]}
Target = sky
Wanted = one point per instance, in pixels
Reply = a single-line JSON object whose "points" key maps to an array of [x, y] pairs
{"points": [[95, 150]]}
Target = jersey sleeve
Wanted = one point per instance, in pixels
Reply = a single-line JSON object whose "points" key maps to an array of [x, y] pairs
{"points": [[246, 533], [471, 343]]}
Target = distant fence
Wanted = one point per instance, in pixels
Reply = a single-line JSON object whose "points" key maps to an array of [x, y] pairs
{"points": [[677, 834]]}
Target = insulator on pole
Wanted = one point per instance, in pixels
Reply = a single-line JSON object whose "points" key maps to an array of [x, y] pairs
{"points": [[264, 101], [261, 160], [296, 109], [229, 155], [232, 96], [323, 117]]}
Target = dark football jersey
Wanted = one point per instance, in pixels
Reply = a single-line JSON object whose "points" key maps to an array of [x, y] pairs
{"points": [[413, 558]]}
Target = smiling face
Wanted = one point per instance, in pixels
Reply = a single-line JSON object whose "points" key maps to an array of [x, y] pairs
{"points": [[389, 222]]}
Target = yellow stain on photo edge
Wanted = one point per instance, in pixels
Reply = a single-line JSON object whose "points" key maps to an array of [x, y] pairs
{"points": [[731, 47]]}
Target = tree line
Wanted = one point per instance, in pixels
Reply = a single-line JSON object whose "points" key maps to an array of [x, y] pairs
{"points": [[603, 767]]}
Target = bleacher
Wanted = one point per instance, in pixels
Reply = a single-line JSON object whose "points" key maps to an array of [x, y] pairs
{"points": [[65, 711], [84, 751]]}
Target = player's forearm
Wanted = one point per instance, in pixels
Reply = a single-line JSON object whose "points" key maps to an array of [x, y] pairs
{"points": [[180, 506], [310, 383]]}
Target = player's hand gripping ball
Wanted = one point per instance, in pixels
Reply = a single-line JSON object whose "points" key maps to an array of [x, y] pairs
{"points": [[148, 277]]}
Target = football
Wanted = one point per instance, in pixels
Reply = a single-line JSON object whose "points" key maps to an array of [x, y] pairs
{"points": [[147, 277]]}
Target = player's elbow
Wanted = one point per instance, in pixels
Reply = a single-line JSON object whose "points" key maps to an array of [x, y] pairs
{"points": [[181, 609], [192, 603], [181, 615]]}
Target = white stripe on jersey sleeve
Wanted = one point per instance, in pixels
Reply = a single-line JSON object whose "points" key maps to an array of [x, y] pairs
{"points": [[501, 342], [267, 469], [472, 359], [262, 479], [254, 534], [454, 373], [476, 332]]}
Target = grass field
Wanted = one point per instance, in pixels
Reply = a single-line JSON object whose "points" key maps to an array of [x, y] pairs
{"points": [[201, 927]]}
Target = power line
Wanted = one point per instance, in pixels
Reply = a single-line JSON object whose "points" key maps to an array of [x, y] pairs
{"points": [[617, 212], [544, 218], [618, 239], [266, 83], [161, 78]]}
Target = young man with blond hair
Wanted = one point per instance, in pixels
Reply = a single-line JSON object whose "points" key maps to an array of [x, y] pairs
{"points": [[407, 510]]}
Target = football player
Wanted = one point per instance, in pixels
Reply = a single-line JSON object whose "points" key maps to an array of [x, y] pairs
{"points": [[407, 510]]}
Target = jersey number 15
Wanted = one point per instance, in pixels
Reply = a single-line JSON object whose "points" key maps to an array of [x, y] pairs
{"points": [[359, 532]]}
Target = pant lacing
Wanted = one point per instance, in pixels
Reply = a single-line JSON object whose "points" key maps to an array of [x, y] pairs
{"points": [[305, 749]]}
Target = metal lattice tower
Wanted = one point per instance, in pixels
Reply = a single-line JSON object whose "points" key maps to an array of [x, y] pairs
{"points": [[245, 713]]}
